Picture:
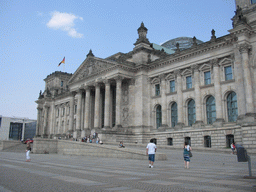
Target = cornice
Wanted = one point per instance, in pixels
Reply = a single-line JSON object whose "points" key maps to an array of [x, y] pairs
{"points": [[191, 52]]}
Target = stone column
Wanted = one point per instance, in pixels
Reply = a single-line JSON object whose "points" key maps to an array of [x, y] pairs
{"points": [[118, 101], [217, 89], [78, 115], [164, 103], [38, 123], [45, 121], [107, 105], [180, 122], [71, 113], [97, 106], [197, 95], [87, 109], [244, 49], [53, 119]]}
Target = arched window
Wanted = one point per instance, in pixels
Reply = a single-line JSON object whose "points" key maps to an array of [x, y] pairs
{"points": [[210, 110], [174, 114], [232, 107], [191, 112], [158, 116]]}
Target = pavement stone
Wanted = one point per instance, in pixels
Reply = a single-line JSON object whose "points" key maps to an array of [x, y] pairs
{"points": [[52, 172]]}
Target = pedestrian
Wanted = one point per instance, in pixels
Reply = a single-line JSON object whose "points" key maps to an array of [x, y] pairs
{"points": [[187, 149], [121, 145], [150, 151], [233, 147], [27, 152]]}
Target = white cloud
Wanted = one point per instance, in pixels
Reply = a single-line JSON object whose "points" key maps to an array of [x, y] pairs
{"points": [[64, 22]]}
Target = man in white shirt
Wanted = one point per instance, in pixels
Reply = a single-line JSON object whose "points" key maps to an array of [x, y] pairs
{"points": [[150, 151]]}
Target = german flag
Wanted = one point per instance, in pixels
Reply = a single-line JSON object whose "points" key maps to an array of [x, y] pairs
{"points": [[63, 61]]}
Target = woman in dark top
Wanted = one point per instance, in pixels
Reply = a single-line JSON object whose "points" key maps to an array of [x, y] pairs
{"points": [[187, 148]]}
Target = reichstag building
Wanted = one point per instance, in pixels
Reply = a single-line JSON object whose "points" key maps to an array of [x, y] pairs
{"points": [[182, 90]]}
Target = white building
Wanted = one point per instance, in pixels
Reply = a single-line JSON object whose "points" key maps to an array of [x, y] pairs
{"points": [[204, 94], [15, 128]]}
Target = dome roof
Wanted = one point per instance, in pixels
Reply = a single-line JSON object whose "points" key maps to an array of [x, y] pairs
{"points": [[184, 42]]}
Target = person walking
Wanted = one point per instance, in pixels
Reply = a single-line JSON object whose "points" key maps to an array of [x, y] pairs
{"points": [[150, 151], [28, 151], [187, 149]]}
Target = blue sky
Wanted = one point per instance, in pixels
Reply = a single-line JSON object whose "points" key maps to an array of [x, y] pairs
{"points": [[36, 35]]}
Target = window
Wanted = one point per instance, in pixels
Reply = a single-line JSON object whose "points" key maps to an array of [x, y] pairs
{"points": [[207, 78], [207, 141], [228, 73], [158, 116], [157, 89], [253, 1], [210, 110], [169, 141], [172, 86], [191, 112], [174, 114], [61, 83], [232, 107], [189, 82], [75, 109], [229, 140], [58, 112], [63, 111]]}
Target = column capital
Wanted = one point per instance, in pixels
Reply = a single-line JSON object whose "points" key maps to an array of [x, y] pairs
{"points": [[106, 81], [195, 68], [214, 62], [119, 78], [244, 48], [177, 72]]}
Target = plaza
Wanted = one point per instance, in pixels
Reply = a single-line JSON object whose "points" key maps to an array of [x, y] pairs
{"points": [[52, 172]]}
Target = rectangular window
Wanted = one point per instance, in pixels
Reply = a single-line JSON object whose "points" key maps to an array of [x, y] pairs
{"points": [[189, 82], [157, 89], [58, 113], [172, 86], [228, 73], [75, 109], [61, 83], [63, 111], [207, 78], [253, 1]]}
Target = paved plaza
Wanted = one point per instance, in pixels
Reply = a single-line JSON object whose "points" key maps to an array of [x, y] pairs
{"points": [[53, 172]]}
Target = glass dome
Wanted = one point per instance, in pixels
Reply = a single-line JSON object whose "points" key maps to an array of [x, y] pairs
{"points": [[184, 42]]}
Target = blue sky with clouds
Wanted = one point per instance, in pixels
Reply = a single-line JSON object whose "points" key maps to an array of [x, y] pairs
{"points": [[36, 35]]}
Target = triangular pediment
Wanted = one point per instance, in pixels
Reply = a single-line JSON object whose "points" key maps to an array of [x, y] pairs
{"points": [[90, 67]]}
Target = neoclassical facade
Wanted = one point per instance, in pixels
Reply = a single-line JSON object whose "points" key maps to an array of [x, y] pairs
{"points": [[204, 94]]}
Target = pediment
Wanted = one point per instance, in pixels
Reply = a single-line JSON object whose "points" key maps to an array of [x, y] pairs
{"points": [[90, 67], [205, 67]]}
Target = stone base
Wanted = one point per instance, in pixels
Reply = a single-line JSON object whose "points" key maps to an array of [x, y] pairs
{"points": [[218, 123], [162, 128], [198, 125], [247, 120]]}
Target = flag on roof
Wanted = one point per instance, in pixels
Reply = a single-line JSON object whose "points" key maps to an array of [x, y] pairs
{"points": [[63, 61]]}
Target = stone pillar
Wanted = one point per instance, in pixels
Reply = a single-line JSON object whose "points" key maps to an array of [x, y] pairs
{"points": [[97, 107], [78, 115], [87, 109], [180, 122], [217, 89], [53, 119], [45, 120], [107, 105], [71, 113], [244, 49], [197, 96], [38, 123], [118, 101], [163, 103]]}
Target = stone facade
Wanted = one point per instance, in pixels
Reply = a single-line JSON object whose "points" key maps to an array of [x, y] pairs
{"points": [[204, 94]]}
